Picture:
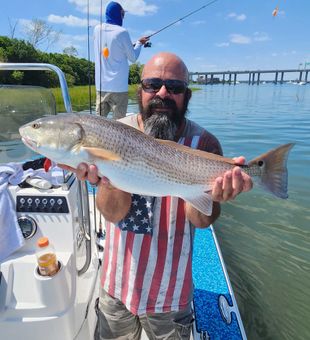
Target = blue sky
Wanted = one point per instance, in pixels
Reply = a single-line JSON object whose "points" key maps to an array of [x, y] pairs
{"points": [[227, 35]]}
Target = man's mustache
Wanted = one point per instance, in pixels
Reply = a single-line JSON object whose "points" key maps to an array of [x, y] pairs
{"points": [[162, 103]]}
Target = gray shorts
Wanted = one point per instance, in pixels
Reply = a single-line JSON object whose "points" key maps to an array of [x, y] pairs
{"points": [[115, 321], [116, 102]]}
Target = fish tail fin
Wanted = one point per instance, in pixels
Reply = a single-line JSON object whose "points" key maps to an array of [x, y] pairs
{"points": [[274, 173]]}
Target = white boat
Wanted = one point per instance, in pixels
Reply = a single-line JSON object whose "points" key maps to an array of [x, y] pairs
{"points": [[62, 307]]}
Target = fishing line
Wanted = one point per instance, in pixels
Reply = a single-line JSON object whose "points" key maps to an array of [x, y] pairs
{"points": [[90, 107], [185, 16], [100, 62], [88, 58]]}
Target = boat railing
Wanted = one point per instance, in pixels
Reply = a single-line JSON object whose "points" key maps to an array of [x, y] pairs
{"points": [[43, 67], [83, 200]]}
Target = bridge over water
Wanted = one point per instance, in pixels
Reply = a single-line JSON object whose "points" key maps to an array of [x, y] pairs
{"points": [[254, 77]]}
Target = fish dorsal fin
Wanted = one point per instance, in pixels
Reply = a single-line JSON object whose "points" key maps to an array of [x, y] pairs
{"points": [[199, 153], [104, 154]]}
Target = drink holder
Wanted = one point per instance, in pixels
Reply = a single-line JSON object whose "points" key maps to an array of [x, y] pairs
{"points": [[49, 276], [55, 292]]}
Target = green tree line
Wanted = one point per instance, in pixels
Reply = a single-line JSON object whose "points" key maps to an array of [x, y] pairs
{"points": [[78, 71]]}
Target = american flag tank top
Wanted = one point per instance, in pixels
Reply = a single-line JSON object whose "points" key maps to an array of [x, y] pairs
{"points": [[147, 262]]}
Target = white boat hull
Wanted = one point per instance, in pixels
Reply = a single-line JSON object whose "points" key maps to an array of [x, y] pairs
{"points": [[58, 307]]}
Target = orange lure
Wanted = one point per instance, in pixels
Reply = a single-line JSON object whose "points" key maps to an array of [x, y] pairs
{"points": [[105, 52]]}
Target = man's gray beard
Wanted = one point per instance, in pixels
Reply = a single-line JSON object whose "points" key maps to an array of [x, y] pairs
{"points": [[159, 125]]}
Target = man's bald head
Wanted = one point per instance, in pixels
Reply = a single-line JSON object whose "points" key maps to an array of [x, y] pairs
{"points": [[165, 65]]}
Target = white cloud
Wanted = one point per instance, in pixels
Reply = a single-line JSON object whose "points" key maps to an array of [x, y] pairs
{"points": [[281, 13], [209, 66], [71, 21], [67, 40], [147, 32], [161, 44], [283, 53], [198, 22], [134, 7], [240, 39], [238, 17], [24, 23], [202, 67], [231, 15], [261, 36], [223, 44], [286, 53], [63, 41]]}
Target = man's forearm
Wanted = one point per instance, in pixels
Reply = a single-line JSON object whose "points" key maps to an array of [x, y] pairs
{"points": [[114, 204], [200, 220]]}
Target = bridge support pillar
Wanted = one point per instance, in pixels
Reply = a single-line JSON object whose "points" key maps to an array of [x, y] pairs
{"points": [[258, 78], [276, 78], [235, 78], [253, 78]]}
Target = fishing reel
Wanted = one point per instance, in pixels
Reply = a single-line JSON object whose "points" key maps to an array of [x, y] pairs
{"points": [[147, 44]]}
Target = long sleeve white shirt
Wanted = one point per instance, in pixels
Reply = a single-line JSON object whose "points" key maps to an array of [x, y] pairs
{"points": [[111, 74]]}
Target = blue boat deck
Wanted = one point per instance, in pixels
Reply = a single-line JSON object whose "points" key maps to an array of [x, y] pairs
{"points": [[216, 311]]}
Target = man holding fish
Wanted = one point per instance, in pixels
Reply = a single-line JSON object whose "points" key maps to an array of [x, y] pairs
{"points": [[146, 274], [164, 176]]}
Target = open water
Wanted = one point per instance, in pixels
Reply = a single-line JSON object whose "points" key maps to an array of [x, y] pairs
{"points": [[265, 241]]}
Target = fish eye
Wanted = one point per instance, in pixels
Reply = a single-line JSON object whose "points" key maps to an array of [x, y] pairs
{"points": [[35, 125], [260, 163]]}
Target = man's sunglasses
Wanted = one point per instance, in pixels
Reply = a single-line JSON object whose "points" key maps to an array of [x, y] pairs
{"points": [[153, 85]]}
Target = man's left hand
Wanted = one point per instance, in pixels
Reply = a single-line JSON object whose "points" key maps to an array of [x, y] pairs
{"points": [[231, 183]]}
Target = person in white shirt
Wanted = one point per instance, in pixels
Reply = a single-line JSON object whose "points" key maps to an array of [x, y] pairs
{"points": [[113, 48]]}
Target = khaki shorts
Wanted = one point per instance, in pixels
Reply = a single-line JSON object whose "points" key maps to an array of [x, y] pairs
{"points": [[116, 102], [115, 321]]}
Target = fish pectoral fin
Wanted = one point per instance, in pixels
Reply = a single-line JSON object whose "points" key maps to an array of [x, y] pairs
{"points": [[104, 154], [203, 203]]}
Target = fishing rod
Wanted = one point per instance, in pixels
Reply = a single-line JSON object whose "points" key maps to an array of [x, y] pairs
{"points": [[88, 59], [148, 44]]}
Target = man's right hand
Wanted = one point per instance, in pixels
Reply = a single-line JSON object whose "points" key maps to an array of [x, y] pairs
{"points": [[143, 40], [87, 172]]}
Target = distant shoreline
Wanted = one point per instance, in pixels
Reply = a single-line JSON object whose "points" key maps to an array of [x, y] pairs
{"points": [[79, 96]]}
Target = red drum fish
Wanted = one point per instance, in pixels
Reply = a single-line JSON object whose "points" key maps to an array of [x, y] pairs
{"points": [[137, 163]]}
